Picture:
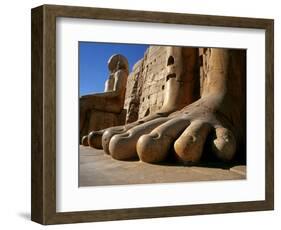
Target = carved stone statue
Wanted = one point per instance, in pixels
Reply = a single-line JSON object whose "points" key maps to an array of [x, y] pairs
{"points": [[102, 110], [199, 110]]}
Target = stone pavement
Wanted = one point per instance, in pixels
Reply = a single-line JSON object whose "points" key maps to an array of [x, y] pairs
{"points": [[97, 168]]}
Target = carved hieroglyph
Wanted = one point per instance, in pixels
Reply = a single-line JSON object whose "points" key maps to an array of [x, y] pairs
{"points": [[204, 107], [102, 110]]}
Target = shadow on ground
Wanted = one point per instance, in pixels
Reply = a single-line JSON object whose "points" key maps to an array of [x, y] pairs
{"points": [[24, 215]]}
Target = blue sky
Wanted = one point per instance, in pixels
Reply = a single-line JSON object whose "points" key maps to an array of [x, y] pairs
{"points": [[93, 57]]}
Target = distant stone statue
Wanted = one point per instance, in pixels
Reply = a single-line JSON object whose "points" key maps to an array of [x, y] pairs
{"points": [[102, 110]]}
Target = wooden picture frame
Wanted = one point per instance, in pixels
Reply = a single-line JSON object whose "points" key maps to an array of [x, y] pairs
{"points": [[43, 207]]}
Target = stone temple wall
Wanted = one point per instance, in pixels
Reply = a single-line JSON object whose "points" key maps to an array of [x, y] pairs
{"points": [[133, 92], [146, 84]]}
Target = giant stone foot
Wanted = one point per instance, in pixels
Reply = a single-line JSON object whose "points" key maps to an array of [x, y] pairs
{"points": [[216, 119], [186, 131]]}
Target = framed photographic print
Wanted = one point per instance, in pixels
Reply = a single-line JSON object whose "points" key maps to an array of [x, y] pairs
{"points": [[140, 114]]}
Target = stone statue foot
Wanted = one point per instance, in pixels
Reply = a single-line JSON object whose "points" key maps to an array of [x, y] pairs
{"points": [[94, 138], [100, 139], [186, 131], [123, 146], [84, 140], [109, 133]]}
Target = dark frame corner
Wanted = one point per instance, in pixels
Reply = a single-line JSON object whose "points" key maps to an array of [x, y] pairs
{"points": [[43, 159]]}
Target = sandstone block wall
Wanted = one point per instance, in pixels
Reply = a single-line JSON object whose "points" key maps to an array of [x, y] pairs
{"points": [[146, 84], [133, 92], [100, 120]]}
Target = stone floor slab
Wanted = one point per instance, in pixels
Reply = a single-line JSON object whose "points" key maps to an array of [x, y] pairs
{"points": [[99, 169]]}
